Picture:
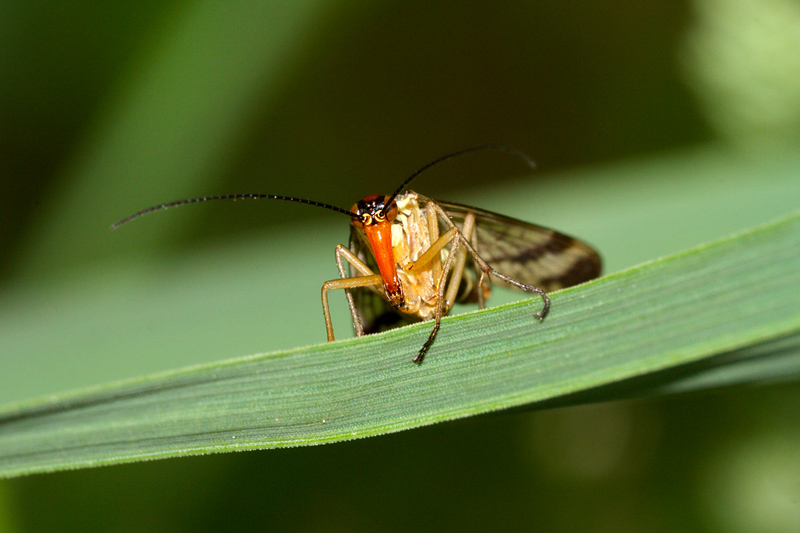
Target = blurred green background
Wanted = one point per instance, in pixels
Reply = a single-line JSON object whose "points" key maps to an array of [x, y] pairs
{"points": [[655, 127]]}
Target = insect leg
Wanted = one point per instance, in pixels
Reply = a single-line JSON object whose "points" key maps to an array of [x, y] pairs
{"points": [[458, 268], [484, 266], [449, 236], [364, 270], [432, 257], [367, 279], [424, 261], [433, 234], [482, 292]]}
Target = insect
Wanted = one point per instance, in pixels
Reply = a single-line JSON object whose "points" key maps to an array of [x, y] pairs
{"points": [[411, 258]]}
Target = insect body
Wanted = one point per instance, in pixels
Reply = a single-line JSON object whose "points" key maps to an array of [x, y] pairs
{"points": [[411, 258]]}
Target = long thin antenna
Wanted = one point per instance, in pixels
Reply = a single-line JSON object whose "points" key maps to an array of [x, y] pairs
{"points": [[502, 147], [230, 197]]}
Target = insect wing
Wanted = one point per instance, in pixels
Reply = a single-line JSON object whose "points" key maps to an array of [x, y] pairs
{"points": [[531, 254], [375, 311]]}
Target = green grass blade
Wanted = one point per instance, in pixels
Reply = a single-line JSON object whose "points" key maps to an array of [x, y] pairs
{"points": [[214, 62], [689, 321]]}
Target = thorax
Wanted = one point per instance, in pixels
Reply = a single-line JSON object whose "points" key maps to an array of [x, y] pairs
{"points": [[411, 237]]}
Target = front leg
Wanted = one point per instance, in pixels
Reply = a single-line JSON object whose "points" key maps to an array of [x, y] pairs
{"points": [[366, 279], [440, 288]]}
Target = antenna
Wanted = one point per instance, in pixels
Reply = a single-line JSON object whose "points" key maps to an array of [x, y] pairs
{"points": [[402, 186], [230, 197], [501, 147]]}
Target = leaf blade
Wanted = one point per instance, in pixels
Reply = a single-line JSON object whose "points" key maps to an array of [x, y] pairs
{"points": [[627, 325]]}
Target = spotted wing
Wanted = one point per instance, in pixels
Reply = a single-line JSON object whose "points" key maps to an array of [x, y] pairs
{"points": [[531, 254], [375, 311]]}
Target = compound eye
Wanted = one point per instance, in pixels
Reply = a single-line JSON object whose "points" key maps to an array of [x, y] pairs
{"points": [[356, 219], [390, 209]]}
